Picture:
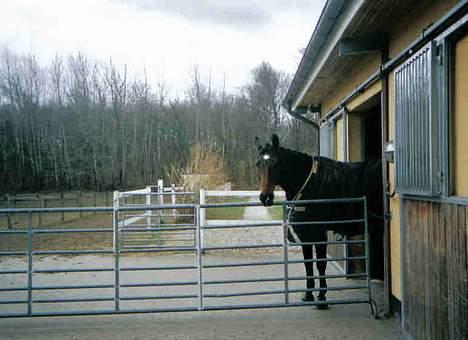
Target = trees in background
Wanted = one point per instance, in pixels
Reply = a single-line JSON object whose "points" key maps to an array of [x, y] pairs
{"points": [[78, 123]]}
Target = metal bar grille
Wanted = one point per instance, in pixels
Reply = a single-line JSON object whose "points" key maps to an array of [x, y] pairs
{"points": [[415, 144]]}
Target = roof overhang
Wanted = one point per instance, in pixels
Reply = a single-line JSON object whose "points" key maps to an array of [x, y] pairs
{"points": [[349, 37], [335, 18]]}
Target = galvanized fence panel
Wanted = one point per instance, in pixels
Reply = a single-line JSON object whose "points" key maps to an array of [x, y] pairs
{"points": [[120, 288], [143, 230]]}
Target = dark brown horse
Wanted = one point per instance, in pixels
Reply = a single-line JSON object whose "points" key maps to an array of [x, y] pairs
{"points": [[303, 177]]}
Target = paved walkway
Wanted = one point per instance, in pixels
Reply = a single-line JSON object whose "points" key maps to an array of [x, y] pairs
{"points": [[343, 322]]}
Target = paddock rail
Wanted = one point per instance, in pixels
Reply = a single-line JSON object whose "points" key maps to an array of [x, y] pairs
{"points": [[194, 293]]}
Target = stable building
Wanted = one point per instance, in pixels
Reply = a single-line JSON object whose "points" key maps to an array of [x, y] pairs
{"points": [[389, 79]]}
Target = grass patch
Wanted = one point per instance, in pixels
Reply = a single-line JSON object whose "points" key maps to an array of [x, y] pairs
{"points": [[232, 213], [65, 241], [276, 212]]}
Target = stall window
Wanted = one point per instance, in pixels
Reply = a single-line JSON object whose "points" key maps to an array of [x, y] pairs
{"points": [[417, 144]]}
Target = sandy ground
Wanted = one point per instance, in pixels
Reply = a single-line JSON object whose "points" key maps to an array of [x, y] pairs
{"points": [[245, 235], [343, 321], [339, 322]]}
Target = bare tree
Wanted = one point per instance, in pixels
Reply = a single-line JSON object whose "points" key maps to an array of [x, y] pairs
{"points": [[78, 123]]}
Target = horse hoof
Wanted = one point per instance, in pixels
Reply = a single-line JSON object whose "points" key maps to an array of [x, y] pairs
{"points": [[308, 297], [322, 306]]}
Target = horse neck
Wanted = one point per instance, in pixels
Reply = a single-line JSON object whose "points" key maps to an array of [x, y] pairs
{"points": [[294, 170]]}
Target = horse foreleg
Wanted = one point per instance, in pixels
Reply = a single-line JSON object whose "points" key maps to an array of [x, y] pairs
{"points": [[309, 267], [321, 250]]}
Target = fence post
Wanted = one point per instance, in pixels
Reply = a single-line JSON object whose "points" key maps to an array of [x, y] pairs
{"points": [[30, 262], [159, 211], [115, 205], [173, 201], [285, 255], [116, 241], [148, 202], [346, 255], [39, 214], [8, 205], [160, 199], [160, 191], [80, 203], [95, 201], [199, 244], [63, 205], [202, 216]]}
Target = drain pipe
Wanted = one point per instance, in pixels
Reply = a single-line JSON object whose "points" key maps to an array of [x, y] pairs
{"points": [[307, 121], [300, 116], [385, 184]]}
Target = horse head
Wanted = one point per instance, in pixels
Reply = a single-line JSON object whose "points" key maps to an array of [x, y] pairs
{"points": [[267, 165]]}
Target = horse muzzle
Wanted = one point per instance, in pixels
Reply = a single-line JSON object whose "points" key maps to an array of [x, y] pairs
{"points": [[267, 199]]}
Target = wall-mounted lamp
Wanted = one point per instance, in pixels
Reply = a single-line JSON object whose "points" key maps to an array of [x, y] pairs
{"points": [[390, 151]]}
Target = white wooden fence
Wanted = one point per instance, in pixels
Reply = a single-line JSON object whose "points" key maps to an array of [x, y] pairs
{"points": [[204, 194], [155, 221], [154, 218]]}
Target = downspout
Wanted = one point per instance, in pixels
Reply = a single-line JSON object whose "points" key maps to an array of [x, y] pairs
{"points": [[344, 119], [385, 185], [306, 121]]}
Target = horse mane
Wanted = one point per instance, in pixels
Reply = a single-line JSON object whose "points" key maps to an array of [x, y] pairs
{"points": [[301, 156], [295, 168]]}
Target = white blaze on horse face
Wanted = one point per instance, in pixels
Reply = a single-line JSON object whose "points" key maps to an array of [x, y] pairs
{"points": [[266, 157]]}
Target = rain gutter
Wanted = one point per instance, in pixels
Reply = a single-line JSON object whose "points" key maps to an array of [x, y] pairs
{"points": [[335, 17]]}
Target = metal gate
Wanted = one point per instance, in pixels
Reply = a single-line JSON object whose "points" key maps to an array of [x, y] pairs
{"points": [[193, 278], [151, 228]]}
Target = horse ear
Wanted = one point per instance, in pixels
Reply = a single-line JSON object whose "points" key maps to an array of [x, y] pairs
{"points": [[257, 143], [275, 141]]}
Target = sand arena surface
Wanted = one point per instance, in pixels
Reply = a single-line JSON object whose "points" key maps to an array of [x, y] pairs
{"points": [[344, 321]]}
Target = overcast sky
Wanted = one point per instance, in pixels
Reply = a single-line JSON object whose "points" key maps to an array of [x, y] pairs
{"points": [[165, 37]]}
